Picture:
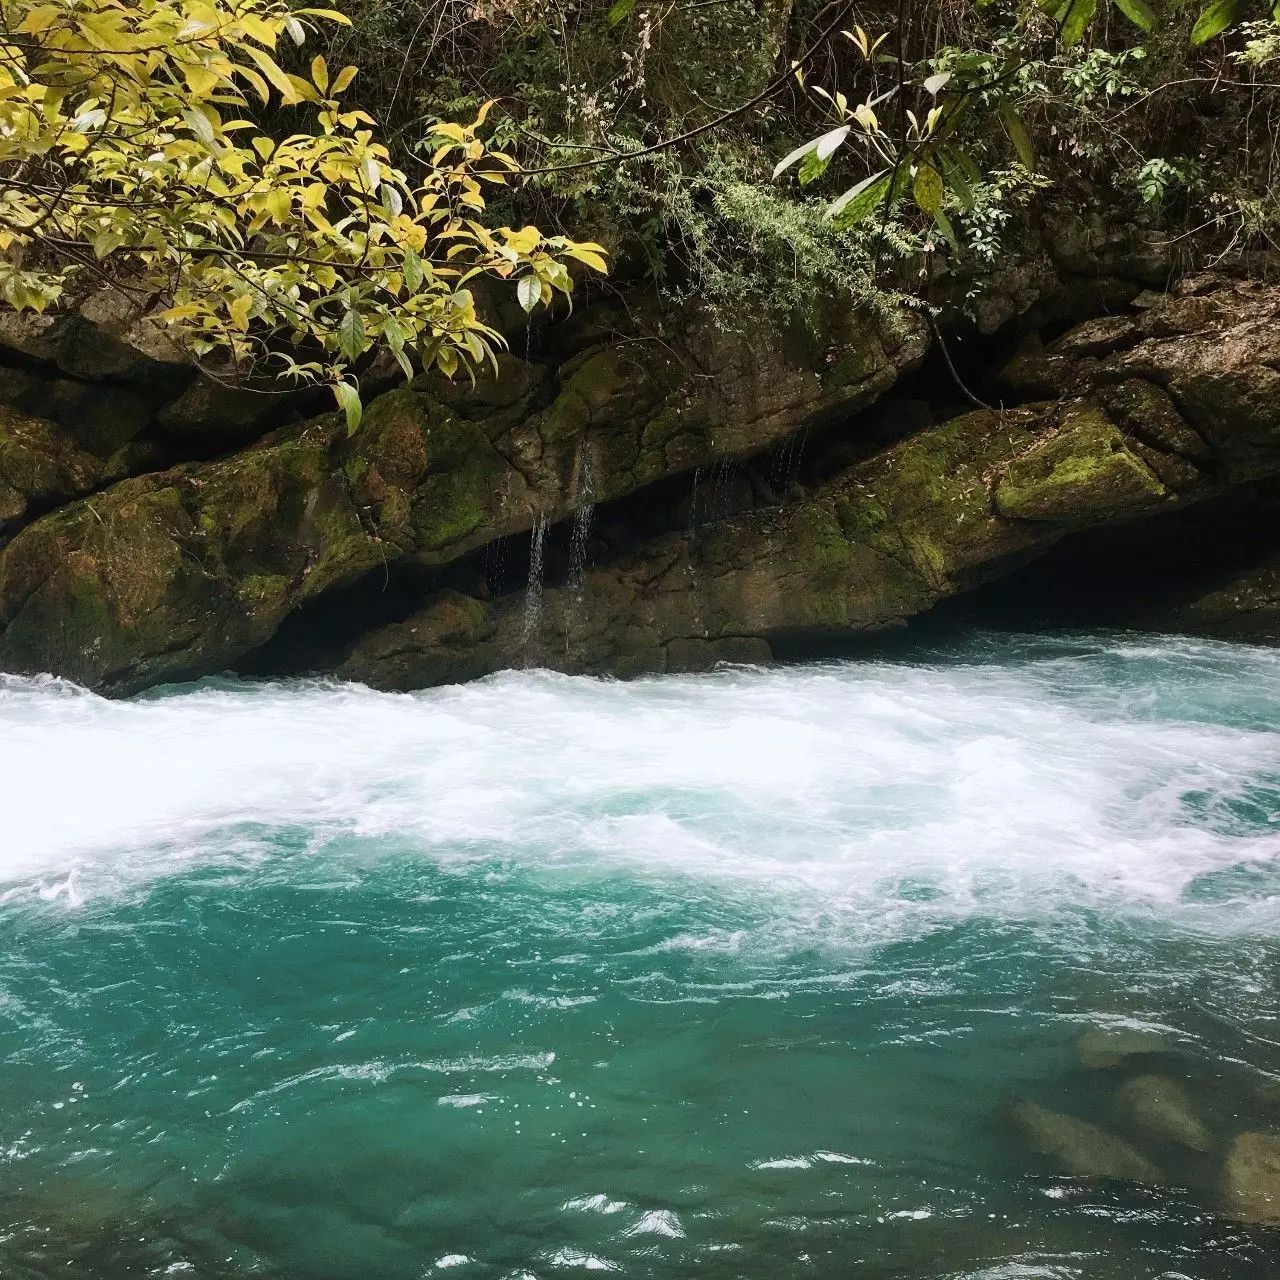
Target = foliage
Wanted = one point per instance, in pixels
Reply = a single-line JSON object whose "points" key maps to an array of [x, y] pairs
{"points": [[918, 138], [1262, 45], [922, 155], [130, 156]]}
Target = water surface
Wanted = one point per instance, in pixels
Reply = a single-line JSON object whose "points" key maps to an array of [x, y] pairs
{"points": [[719, 976]]}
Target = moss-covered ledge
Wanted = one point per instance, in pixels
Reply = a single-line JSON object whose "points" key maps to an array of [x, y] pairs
{"points": [[182, 571]]}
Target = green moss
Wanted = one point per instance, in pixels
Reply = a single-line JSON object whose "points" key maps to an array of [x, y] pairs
{"points": [[604, 374], [860, 515], [928, 557], [854, 366], [88, 614], [451, 505], [819, 545], [454, 619], [567, 417], [257, 587], [1084, 471]]}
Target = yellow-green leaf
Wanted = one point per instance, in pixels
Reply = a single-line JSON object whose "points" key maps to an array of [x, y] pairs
{"points": [[928, 188], [348, 399]]}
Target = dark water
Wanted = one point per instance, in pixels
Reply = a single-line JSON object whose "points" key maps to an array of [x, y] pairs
{"points": [[729, 976]]}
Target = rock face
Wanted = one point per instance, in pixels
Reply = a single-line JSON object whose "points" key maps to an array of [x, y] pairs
{"points": [[41, 466], [1193, 377], [883, 541], [181, 571], [121, 572], [1238, 601]]}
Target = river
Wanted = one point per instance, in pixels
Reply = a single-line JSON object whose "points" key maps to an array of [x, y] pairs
{"points": [[736, 975]]}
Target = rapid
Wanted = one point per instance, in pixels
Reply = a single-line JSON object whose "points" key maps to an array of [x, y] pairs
{"points": [[734, 975]]}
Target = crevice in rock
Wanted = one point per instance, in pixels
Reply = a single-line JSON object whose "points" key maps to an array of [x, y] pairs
{"points": [[1162, 573]]}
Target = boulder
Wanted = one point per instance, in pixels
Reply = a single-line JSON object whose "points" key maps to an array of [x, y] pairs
{"points": [[1102, 1047], [40, 467], [1083, 473], [1233, 602], [1079, 1148], [1251, 1179], [1162, 1107], [880, 542], [185, 570], [211, 414], [1196, 372], [887, 537]]}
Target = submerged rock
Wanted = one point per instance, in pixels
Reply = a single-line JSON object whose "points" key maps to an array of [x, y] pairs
{"points": [[1162, 1107], [1080, 1148], [1251, 1179], [1103, 1047]]}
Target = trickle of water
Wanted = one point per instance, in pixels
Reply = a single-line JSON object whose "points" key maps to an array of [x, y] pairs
{"points": [[533, 591], [786, 468], [721, 489], [693, 502], [493, 560], [581, 529]]}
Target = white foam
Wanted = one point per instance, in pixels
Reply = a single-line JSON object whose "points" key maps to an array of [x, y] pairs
{"points": [[880, 796], [598, 1203], [579, 1258], [657, 1222]]}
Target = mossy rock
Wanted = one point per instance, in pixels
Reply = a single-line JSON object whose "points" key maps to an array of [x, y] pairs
{"points": [[1083, 472], [40, 465]]}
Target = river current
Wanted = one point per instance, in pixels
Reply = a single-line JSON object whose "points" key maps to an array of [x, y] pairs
{"points": [[735, 975]]}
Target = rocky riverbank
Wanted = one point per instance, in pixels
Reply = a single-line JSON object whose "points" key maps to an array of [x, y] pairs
{"points": [[646, 491]]}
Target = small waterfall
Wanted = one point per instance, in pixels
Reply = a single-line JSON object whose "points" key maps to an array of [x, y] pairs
{"points": [[720, 490], [578, 547], [533, 592], [579, 536], [493, 561], [709, 495]]}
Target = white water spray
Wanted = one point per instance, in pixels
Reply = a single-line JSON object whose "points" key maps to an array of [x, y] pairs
{"points": [[864, 799]]}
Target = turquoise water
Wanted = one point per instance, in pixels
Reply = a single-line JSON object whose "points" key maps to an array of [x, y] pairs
{"points": [[720, 976]]}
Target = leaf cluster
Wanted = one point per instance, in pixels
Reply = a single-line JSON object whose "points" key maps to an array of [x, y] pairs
{"points": [[131, 155]]}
